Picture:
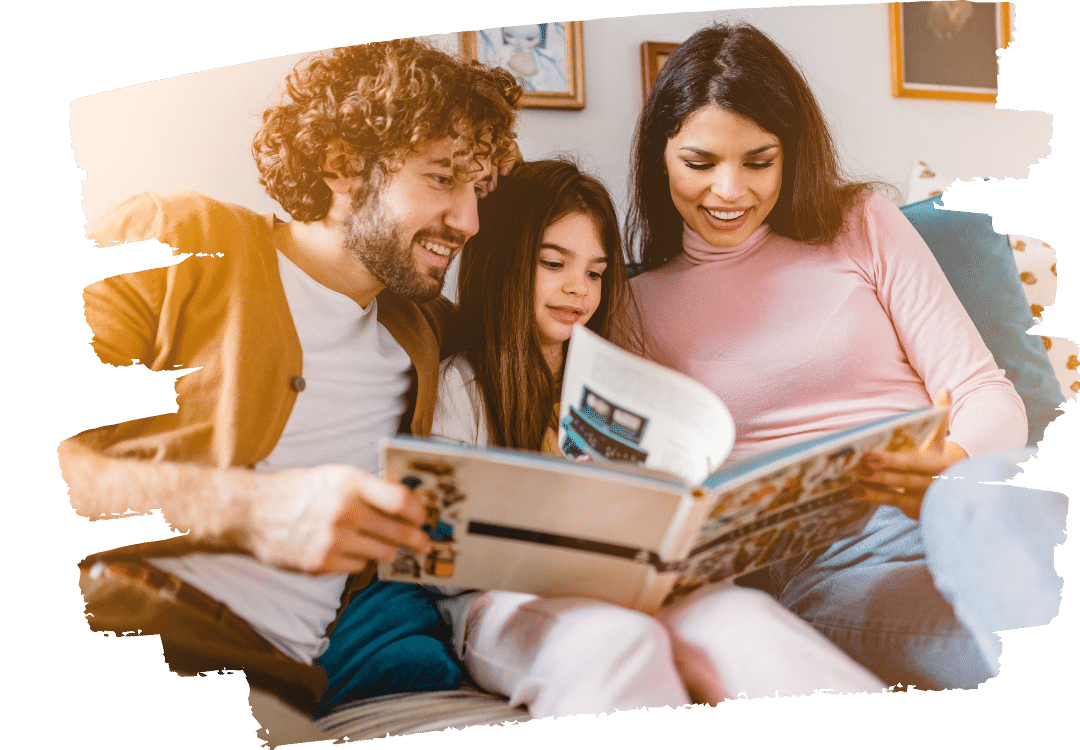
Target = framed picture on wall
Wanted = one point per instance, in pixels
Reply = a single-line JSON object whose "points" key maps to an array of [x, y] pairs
{"points": [[947, 50], [653, 57], [546, 58]]}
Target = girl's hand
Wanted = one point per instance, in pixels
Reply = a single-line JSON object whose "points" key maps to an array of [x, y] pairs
{"points": [[902, 478]]}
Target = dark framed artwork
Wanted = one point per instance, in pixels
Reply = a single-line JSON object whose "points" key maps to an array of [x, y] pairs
{"points": [[653, 57], [947, 50], [546, 58]]}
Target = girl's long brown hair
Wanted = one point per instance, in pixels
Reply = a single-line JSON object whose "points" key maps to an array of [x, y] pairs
{"points": [[496, 286]]}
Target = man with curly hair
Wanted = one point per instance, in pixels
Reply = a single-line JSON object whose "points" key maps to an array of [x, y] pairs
{"points": [[310, 340]]}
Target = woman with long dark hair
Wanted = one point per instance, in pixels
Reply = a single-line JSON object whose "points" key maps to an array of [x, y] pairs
{"points": [[547, 257], [810, 304]]}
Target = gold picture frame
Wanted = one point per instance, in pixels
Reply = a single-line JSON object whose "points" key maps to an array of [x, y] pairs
{"points": [[547, 59], [653, 57], [947, 50]]}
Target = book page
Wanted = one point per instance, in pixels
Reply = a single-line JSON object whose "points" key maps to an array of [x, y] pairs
{"points": [[619, 407], [520, 521], [781, 505]]}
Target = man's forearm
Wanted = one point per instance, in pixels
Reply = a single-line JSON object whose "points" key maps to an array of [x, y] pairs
{"points": [[208, 503], [323, 519]]}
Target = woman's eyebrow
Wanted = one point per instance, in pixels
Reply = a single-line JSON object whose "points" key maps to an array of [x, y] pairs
{"points": [[762, 149], [705, 152]]}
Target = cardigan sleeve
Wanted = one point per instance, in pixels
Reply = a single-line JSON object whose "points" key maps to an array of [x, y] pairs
{"points": [[941, 343], [123, 310]]}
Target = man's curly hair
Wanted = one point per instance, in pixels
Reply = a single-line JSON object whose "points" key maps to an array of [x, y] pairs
{"points": [[379, 102]]}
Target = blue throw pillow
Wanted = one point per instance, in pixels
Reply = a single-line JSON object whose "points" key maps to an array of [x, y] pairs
{"points": [[980, 266]]}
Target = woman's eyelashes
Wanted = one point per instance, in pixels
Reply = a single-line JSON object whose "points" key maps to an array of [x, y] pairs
{"points": [[701, 166]]}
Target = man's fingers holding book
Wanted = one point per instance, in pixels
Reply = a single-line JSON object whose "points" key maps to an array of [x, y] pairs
{"points": [[304, 519]]}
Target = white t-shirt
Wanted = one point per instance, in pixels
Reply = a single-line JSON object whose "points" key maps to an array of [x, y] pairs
{"points": [[459, 410], [356, 378]]}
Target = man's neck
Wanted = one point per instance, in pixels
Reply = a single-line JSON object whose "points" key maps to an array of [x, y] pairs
{"points": [[318, 250]]}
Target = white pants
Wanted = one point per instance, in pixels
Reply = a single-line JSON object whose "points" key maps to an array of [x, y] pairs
{"points": [[561, 657]]}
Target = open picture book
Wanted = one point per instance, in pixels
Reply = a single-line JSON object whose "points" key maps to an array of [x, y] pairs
{"points": [[654, 513]]}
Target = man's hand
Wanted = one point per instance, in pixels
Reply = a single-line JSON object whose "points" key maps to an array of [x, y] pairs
{"points": [[331, 519], [902, 478]]}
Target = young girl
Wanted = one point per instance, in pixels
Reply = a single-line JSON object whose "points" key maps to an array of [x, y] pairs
{"points": [[548, 257], [810, 304]]}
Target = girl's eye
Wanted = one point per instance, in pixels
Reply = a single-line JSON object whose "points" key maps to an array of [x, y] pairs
{"points": [[758, 165], [551, 265], [596, 275], [697, 165]]}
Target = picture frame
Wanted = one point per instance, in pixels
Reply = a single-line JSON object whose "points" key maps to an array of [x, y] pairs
{"points": [[653, 57], [547, 59], [947, 50]]}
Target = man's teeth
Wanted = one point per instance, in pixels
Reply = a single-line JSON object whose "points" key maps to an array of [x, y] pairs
{"points": [[442, 250], [726, 215]]}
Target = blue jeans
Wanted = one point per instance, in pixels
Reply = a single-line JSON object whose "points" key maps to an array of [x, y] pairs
{"points": [[918, 603]]}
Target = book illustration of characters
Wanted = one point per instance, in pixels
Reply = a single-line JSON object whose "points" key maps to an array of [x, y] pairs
{"points": [[901, 440], [790, 533], [602, 427], [434, 482], [784, 487]]}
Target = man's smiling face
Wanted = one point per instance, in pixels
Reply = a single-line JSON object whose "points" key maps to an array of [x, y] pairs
{"points": [[408, 229]]}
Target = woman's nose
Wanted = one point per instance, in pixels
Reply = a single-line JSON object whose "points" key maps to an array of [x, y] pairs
{"points": [[727, 184]]}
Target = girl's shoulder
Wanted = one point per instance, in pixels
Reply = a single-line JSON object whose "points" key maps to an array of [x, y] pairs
{"points": [[456, 370], [459, 409]]}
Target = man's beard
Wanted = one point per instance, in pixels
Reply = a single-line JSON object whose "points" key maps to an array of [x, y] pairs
{"points": [[376, 241]]}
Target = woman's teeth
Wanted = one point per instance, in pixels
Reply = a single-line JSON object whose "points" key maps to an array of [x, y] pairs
{"points": [[726, 215]]}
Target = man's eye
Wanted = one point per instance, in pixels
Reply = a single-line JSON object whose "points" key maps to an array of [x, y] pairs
{"points": [[442, 180]]}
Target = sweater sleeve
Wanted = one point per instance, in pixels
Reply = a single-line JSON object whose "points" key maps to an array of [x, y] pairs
{"points": [[941, 343], [459, 410], [123, 310]]}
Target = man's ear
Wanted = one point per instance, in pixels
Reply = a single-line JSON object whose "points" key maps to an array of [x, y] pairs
{"points": [[334, 168]]}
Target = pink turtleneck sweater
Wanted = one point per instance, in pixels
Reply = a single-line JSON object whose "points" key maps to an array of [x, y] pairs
{"points": [[801, 340]]}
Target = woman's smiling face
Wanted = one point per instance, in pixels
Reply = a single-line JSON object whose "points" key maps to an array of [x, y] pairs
{"points": [[724, 173]]}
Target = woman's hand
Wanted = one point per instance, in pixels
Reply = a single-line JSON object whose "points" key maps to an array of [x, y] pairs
{"points": [[902, 478]]}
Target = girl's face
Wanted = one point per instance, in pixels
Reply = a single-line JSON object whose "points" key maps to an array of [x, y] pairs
{"points": [[571, 264], [724, 173]]}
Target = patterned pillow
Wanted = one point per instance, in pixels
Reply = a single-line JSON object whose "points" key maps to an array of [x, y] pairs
{"points": [[924, 182], [1037, 264]]}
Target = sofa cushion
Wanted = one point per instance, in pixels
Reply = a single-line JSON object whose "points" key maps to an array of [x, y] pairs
{"points": [[980, 266]]}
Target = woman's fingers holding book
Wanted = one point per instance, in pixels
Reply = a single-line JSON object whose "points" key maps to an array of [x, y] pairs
{"points": [[897, 496], [902, 478]]}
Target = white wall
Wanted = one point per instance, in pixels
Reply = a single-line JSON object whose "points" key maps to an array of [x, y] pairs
{"points": [[194, 131]]}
